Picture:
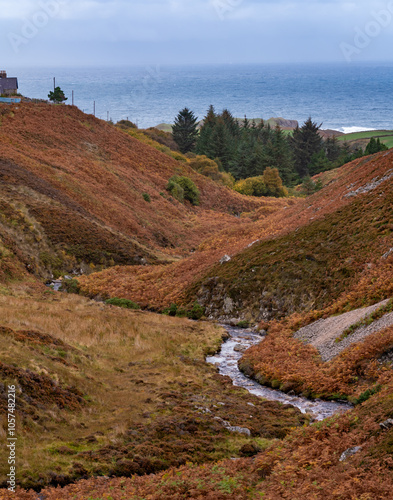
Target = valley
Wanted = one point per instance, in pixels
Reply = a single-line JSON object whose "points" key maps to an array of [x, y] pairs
{"points": [[117, 402]]}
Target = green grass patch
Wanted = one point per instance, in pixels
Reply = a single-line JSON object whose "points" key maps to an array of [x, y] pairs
{"points": [[125, 303]]}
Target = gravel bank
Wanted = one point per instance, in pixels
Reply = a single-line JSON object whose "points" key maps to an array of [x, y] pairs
{"points": [[323, 333]]}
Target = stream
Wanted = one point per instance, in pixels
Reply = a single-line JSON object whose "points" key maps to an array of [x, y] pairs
{"points": [[232, 350]]}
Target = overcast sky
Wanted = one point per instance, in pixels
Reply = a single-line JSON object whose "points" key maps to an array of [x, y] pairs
{"points": [[111, 32]]}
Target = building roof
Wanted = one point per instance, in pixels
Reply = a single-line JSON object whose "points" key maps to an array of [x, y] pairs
{"points": [[8, 84]]}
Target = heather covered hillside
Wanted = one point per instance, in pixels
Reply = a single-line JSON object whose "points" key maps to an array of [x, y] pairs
{"points": [[301, 257], [119, 402], [77, 192]]}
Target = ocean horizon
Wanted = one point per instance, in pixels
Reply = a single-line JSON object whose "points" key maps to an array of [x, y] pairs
{"points": [[343, 97]]}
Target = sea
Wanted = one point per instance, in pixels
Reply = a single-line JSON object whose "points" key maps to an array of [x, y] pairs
{"points": [[344, 97]]}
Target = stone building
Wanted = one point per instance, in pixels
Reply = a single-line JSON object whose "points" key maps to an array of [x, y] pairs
{"points": [[8, 86]]}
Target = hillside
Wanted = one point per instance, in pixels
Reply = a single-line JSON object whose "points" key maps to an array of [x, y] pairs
{"points": [[73, 189], [114, 403], [301, 257]]}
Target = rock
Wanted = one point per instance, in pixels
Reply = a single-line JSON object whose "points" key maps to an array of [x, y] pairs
{"points": [[226, 258], [349, 452], [240, 430], [233, 428], [262, 333], [386, 255], [240, 348], [228, 305], [387, 424]]}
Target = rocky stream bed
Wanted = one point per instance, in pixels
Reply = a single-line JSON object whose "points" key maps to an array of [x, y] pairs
{"points": [[227, 362]]}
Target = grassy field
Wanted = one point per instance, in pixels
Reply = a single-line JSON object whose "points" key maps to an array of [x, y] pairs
{"points": [[385, 136], [107, 391]]}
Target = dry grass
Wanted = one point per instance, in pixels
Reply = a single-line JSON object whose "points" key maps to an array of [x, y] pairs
{"points": [[135, 374], [104, 341]]}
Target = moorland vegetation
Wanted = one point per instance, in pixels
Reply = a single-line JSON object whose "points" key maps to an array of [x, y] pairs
{"points": [[117, 402]]}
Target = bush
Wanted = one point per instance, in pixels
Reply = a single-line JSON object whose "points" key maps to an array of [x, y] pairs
{"points": [[366, 395], [196, 312], [243, 324], [253, 186], [146, 197], [175, 190], [127, 304], [210, 168], [268, 184], [171, 310], [70, 286], [125, 124], [190, 191]]}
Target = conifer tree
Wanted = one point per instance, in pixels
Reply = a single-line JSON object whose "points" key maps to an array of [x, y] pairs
{"points": [[375, 146], [57, 96], [184, 130], [204, 145], [306, 142], [333, 149]]}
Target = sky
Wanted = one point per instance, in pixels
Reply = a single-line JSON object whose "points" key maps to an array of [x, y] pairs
{"points": [[140, 32]]}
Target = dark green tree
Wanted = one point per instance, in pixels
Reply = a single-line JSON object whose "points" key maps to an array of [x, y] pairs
{"points": [[57, 96], [333, 149], [375, 146], [205, 145], [279, 155], [306, 142], [184, 130]]}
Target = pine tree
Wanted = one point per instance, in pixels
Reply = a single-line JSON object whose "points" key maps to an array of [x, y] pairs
{"points": [[204, 145], [223, 146], [305, 143], [282, 157], [333, 149], [57, 96], [184, 130], [375, 146]]}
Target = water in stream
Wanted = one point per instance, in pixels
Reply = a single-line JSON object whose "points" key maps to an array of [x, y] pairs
{"points": [[227, 360]]}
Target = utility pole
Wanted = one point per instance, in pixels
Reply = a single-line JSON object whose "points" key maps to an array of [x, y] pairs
{"points": [[107, 116]]}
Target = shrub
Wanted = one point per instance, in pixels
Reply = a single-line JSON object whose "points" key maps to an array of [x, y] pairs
{"points": [[146, 197], [182, 313], [125, 124], [127, 304], [253, 186], [171, 310], [175, 190], [70, 286], [367, 394], [210, 168], [196, 312], [243, 324], [190, 191], [268, 184]]}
